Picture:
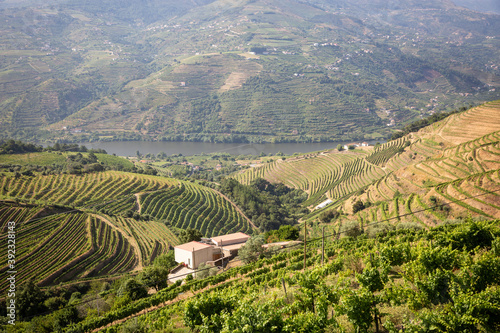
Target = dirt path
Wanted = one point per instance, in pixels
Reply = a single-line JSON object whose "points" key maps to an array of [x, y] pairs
{"points": [[138, 199], [131, 240], [237, 208]]}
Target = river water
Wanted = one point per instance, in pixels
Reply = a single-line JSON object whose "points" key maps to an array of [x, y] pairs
{"points": [[130, 148]]}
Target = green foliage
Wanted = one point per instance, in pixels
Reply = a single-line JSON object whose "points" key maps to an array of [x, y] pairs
{"points": [[133, 289], [205, 306], [351, 229], [358, 206], [166, 260], [304, 322], [64, 317], [189, 235], [205, 270], [253, 318], [443, 258], [252, 249], [472, 235], [17, 147], [268, 205], [155, 276], [358, 307], [483, 273], [435, 286], [396, 254], [29, 300], [373, 278], [328, 216], [285, 232]]}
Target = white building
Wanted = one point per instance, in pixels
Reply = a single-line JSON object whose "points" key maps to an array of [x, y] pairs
{"points": [[230, 244], [192, 254], [324, 204], [230, 239]]}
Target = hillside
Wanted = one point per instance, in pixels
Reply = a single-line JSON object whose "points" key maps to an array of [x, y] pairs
{"points": [[406, 239], [419, 280], [248, 71], [71, 227], [454, 159], [412, 257]]}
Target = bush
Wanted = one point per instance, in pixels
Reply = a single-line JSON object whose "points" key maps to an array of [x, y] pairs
{"points": [[252, 249], [351, 229], [133, 289], [358, 206]]}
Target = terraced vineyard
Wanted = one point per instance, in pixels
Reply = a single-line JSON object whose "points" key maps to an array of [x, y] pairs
{"points": [[276, 290], [181, 204], [73, 227], [192, 206], [313, 173], [93, 189], [54, 245], [152, 238], [454, 159]]}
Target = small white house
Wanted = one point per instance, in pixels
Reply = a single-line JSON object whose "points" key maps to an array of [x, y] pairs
{"points": [[192, 254]]}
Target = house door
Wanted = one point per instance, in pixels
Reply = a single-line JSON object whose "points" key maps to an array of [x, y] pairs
{"points": [[189, 262]]}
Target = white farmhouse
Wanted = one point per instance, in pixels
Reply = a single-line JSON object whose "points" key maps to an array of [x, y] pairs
{"points": [[192, 254]]}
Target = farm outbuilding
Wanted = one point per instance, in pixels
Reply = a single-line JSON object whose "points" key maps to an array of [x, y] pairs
{"points": [[236, 238], [230, 244], [192, 254]]}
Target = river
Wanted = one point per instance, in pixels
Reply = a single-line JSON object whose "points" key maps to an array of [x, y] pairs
{"points": [[130, 148]]}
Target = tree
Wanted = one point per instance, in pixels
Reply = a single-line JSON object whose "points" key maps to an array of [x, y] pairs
{"points": [[351, 229], [190, 235], [252, 249], [288, 232], [166, 260], [63, 318], [92, 158], [29, 300], [340, 147], [155, 276], [132, 289], [358, 206], [205, 270]]}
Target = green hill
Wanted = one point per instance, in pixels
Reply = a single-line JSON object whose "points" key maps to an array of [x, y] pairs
{"points": [[441, 279], [456, 158], [318, 70], [71, 227], [406, 239]]}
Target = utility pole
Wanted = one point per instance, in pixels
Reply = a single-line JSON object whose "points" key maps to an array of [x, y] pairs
{"points": [[305, 244], [323, 247]]}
